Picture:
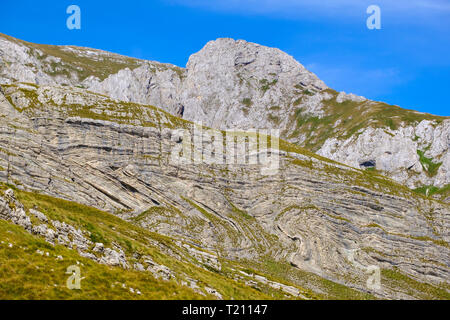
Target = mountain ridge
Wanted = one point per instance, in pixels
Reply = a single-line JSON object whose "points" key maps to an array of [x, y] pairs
{"points": [[72, 144], [237, 84], [99, 162]]}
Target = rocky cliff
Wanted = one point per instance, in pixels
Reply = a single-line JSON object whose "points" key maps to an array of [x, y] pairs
{"points": [[237, 84], [314, 219]]}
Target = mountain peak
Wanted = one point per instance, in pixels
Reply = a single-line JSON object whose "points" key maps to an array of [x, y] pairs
{"points": [[262, 61], [238, 84], [106, 131]]}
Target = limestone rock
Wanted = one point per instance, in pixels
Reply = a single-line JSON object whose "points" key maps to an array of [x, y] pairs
{"points": [[99, 247], [233, 84], [112, 257], [39, 215], [117, 156]]}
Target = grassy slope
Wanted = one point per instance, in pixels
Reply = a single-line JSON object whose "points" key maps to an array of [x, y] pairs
{"points": [[106, 228], [131, 237], [145, 115], [347, 119], [353, 116], [81, 63], [25, 274]]}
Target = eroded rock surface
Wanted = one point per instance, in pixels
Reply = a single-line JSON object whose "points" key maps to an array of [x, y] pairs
{"points": [[237, 84], [116, 156]]}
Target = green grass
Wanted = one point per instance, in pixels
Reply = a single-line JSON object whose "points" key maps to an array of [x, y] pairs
{"points": [[429, 191], [133, 238], [247, 102], [430, 167], [152, 116], [107, 228], [415, 288], [25, 274], [240, 212], [349, 117]]}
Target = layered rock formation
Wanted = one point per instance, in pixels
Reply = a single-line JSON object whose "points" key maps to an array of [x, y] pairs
{"points": [[398, 152], [319, 216], [237, 84]]}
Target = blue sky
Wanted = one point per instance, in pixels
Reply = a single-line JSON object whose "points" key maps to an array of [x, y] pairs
{"points": [[405, 63]]}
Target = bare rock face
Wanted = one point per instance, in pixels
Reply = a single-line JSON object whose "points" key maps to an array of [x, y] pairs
{"points": [[116, 156], [113, 257], [233, 84], [238, 84], [11, 209], [152, 83], [397, 152]]}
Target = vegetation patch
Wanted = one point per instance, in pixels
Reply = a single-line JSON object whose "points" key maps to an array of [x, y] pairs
{"points": [[25, 274], [432, 190], [430, 167], [265, 84], [346, 119], [247, 102]]}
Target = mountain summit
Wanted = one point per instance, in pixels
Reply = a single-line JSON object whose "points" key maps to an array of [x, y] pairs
{"points": [[88, 178], [238, 84]]}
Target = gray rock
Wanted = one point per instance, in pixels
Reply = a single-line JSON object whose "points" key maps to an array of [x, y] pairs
{"points": [[99, 247], [112, 257], [19, 217], [233, 84], [39, 215], [305, 214]]}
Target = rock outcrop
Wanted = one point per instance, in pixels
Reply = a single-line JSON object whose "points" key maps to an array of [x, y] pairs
{"points": [[236, 84], [397, 152], [117, 156]]}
